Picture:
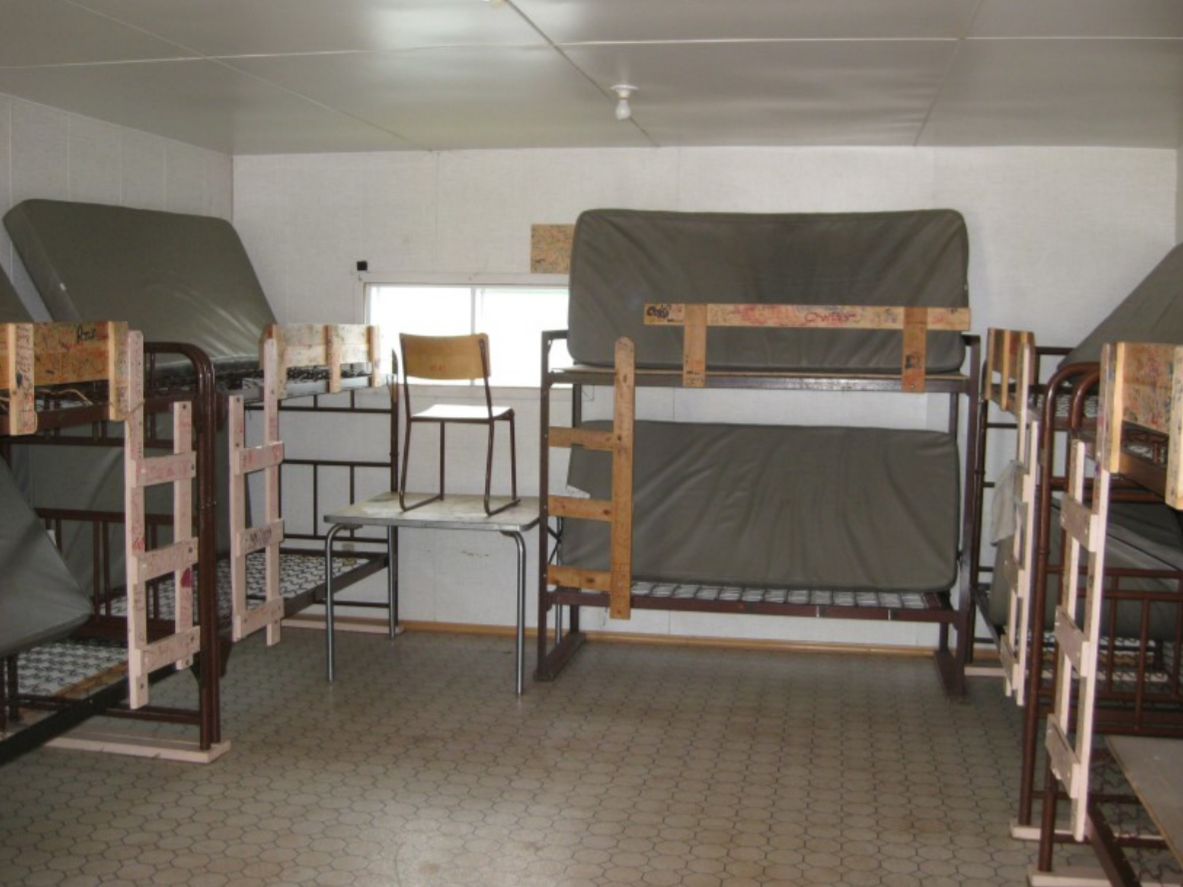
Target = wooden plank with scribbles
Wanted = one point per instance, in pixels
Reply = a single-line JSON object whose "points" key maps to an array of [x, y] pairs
{"points": [[34, 355], [914, 322], [307, 345]]}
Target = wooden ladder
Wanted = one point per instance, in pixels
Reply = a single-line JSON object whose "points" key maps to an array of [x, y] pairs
{"points": [[283, 347], [1143, 385], [179, 558], [1011, 357], [618, 511]]}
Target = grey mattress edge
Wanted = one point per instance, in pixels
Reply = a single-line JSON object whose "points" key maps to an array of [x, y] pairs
{"points": [[782, 506]]}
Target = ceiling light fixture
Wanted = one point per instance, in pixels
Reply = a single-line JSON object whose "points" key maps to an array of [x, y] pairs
{"points": [[623, 92]]}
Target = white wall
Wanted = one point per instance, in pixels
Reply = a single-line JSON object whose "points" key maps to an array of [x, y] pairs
{"points": [[1057, 238], [52, 154]]}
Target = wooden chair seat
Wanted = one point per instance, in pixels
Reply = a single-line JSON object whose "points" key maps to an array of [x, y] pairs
{"points": [[443, 412]]}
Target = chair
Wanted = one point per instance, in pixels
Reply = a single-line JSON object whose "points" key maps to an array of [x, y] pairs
{"points": [[453, 358]]}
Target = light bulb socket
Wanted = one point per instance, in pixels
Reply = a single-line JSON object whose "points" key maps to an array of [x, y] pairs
{"points": [[623, 92]]}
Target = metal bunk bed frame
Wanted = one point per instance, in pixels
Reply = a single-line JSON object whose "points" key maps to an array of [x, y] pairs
{"points": [[1135, 439], [1059, 412], [554, 655], [65, 714]]}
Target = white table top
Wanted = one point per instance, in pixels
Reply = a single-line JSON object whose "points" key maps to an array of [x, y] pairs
{"points": [[450, 513], [1154, 768]]}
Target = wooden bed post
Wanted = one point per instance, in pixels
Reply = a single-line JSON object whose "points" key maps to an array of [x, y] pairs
{"points": [[623, 423], [19, 378]]}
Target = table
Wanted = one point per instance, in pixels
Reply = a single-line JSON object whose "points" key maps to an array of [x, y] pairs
{"points": [[450, 513], [1154, 768]]}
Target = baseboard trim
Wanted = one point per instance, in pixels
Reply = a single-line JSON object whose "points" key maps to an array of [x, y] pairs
{"points": [[367, 625]]}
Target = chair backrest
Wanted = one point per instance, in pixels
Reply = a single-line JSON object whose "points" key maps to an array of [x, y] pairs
{"points": [[445, 358]]}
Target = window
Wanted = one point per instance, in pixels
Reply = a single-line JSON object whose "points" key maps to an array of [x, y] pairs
{"points": [[512, 316]]}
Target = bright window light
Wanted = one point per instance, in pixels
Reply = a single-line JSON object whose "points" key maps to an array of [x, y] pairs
{"points": [[512, 316]]}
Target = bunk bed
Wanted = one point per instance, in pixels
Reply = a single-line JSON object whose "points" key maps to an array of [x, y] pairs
{"points": [[761, 519], [58, 376], [187, 279], [1136, 435], [1144, 563]]}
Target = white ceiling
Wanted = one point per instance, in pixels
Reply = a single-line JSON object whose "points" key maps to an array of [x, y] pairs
{"points": [[291, 76]]}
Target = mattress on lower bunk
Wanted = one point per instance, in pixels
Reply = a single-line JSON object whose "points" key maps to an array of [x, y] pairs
{"points": [[39, 599], [781, 507], [622, 259], [1141, 536], [175, 277]]}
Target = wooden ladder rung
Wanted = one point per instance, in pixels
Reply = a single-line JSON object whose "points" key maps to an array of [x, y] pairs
{"points": [[260, 616], [166, 470], [1073, 643], [251, 459], [1079, 521], [257, 538], [581, 509], [574, 577], [170, 559], [1010, 572], [1063, 759], [174, 648], [588, 438]]}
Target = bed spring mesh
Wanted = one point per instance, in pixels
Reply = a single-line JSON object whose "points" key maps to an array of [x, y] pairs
{"points": [[896, 600], [56, 668]]}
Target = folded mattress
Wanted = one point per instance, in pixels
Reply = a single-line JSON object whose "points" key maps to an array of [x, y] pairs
{"points": [[781, 507], [175, 277], [1152, 312], [39, 599], [622, 259]]}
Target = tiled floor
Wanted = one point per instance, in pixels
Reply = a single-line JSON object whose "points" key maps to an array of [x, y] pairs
{"points": [[641, 765]]}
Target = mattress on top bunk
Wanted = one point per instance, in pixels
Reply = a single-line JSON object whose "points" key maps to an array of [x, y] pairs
{"points": [[1140, 536], [39, 599], [175, 277], [622, 259], [1153, 312], [781, 507]]}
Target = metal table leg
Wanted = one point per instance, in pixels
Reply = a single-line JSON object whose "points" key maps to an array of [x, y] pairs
{"points": [[329, 652], [392, 580], [520, 637]]}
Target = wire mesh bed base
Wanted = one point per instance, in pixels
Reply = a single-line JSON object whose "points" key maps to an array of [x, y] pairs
{"points": [[917, 606], [62, 667], [301, 576]]}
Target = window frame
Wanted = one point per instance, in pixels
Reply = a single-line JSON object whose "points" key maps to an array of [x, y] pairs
{"points": [[372, 278]]}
